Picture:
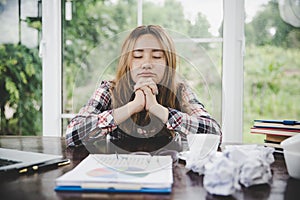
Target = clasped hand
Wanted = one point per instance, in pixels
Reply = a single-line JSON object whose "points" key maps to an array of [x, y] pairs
{"points": [[145, 94]]}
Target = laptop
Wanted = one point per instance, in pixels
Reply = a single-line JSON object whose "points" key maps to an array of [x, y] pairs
{"points": [[16, 161]]}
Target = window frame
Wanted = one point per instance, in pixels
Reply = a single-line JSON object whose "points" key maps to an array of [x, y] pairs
{"points": [[233, 70], [50, 51]]}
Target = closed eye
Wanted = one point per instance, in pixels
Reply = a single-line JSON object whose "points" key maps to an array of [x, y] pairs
{"points": [[137, 54], [157, 54]]}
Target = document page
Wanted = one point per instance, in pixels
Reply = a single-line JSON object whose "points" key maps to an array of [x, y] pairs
{"points": [[122, 170]]}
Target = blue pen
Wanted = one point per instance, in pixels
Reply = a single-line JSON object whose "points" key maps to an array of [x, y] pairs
{"points": [[290, 122]]}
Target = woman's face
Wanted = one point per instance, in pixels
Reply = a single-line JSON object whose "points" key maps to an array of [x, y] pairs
{"points": [[148, 59]]}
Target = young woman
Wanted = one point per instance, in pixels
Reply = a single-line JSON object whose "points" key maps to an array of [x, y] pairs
{"points": [[146, 101]]}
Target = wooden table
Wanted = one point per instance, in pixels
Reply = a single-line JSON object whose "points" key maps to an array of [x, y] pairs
{"points": [[187, 185]]}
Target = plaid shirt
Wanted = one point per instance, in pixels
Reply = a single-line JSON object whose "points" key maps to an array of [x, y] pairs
{"points": [[95, 120]]}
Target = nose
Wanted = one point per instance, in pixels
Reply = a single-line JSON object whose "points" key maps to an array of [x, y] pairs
{"points": [[147, 65]]}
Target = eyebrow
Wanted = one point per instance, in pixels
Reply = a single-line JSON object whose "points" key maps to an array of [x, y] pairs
{"points": [[153, 50]]}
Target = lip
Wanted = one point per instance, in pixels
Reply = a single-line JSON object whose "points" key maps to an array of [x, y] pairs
{"points": [[146, 74]]}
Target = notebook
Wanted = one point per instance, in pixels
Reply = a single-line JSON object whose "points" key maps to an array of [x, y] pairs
{"points": [[123, 173], [16, 161]]}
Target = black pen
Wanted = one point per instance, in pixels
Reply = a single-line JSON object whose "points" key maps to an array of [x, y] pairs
{"points": [[45, 165]]}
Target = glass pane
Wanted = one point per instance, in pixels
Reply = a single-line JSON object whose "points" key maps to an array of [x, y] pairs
{"points": [[9, 19], [90, 30], [194, 26], [195, 18], [21, 68], [30, 22], [272, 66]]}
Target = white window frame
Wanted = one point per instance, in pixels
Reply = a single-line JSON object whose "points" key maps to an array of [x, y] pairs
{"points": [[51, 50], [232, 69]]}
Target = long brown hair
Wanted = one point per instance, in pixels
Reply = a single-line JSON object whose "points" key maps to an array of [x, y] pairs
{"points": [[122, 90]]}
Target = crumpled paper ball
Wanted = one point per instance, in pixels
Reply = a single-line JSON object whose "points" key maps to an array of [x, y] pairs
{"points": [[253, 161], [255, 171], [201, 149], [221, 176]]}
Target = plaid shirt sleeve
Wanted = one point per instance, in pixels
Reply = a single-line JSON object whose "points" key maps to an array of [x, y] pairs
{"points": [[196, 120], [94, 120]]}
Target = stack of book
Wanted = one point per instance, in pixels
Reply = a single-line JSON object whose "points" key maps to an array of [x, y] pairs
{"points": [[276, 131]]}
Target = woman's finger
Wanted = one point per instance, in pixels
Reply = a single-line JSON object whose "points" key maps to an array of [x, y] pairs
{"points": [[153, 88], [146, 90], [146, 82]]}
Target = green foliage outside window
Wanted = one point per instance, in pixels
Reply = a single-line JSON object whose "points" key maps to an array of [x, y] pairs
{"points": [[20, 90], [271, 70]]}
